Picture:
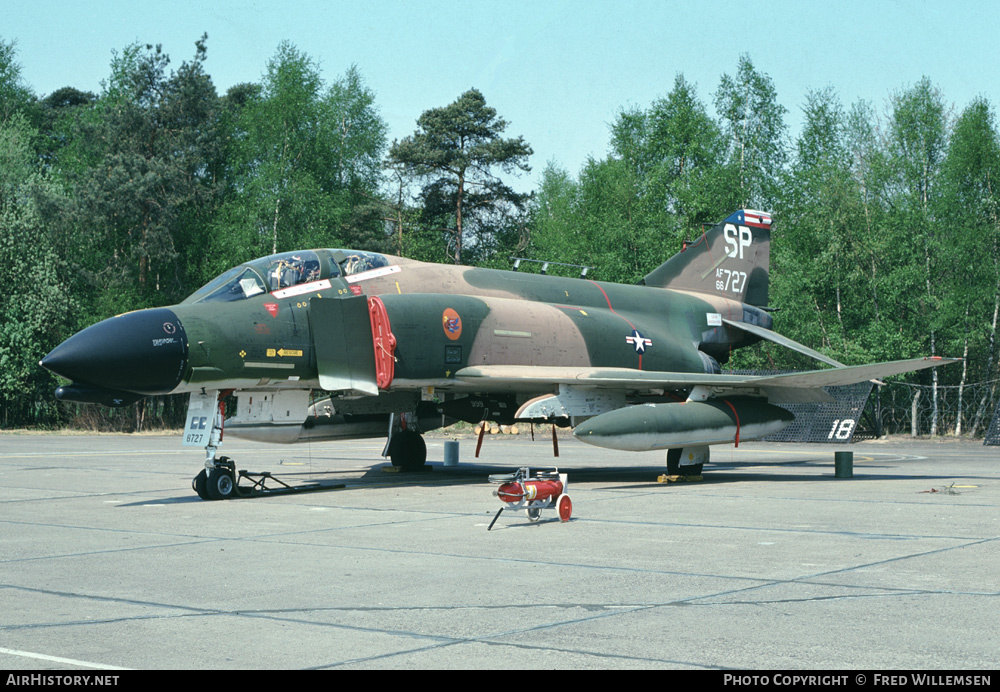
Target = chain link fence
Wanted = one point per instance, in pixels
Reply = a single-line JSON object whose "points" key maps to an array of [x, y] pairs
{"points": [[908, 409]]}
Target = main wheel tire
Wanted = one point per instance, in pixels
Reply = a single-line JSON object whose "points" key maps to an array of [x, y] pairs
{"points": [[221, 484], [407, 450], [674, 467]]}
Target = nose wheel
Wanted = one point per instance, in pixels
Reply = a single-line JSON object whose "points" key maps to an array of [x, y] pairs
{"points": [[221, 484], [218, 483], [200, 484]]}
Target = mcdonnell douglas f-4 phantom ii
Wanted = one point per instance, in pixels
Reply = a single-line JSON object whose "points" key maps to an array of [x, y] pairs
{"points": [[401, 346]]}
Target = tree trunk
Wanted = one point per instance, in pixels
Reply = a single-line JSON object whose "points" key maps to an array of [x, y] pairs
{"points": [[988, 372], [819, 313], [274, 228], [934, 374], [458, 219], [965, 370]]}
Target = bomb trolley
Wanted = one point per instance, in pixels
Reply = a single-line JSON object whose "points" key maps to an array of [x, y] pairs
{"points": [[533, 490]]}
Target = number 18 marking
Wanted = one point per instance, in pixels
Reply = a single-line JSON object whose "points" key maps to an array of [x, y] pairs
{"points": [[841, 429]]}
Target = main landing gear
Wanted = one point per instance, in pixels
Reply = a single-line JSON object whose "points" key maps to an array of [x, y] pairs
{"points": [[405, 448], [685, 464]]}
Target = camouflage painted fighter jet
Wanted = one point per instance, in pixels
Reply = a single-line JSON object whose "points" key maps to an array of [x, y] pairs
{"points": [[397, 347]]}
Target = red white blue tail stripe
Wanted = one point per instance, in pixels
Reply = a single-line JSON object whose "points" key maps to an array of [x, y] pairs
{"points": [[750, 217]]}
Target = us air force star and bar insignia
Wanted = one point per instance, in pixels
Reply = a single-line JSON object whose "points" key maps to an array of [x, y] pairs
{"points": [[638, 341]]}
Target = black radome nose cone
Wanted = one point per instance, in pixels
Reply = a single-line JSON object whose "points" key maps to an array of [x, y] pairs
{"points": [[143, 352]]}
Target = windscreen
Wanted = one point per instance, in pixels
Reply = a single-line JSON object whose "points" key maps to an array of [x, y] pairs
{"points": [[260, 276]]}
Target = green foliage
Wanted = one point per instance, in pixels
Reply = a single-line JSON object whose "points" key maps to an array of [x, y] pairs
{"points": [[967, 211], [664, 176], [814, 249], [685, 147], [753, 122], [15, 97], [454, 152], [302, 164], [139, 167], [34, 298], [555, 234]]}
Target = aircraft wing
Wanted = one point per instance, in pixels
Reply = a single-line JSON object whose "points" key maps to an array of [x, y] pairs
{"points": [[854, 373], [796, 387], [534, 376]]}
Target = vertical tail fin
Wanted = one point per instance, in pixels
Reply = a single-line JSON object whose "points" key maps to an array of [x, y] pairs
{"points": [[730, 259]]}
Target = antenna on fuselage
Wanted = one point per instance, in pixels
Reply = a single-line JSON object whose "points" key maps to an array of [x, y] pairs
{"points": [[545, 265]]}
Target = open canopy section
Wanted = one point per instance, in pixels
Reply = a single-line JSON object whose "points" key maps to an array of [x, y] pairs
{"points": [[285, 270]]}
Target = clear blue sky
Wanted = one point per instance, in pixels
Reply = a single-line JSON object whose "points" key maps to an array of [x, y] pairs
{"points": [[559, 71]]}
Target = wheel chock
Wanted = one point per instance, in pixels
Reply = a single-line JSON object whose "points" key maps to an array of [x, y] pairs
{"points": [[679, 479], [389, 468]]}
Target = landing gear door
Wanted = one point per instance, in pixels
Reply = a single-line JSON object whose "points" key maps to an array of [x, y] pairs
{"points": [[200, 416], [345, 350]]}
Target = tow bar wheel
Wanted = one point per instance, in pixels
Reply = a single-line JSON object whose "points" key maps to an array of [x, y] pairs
{"points": [[565, 507]]}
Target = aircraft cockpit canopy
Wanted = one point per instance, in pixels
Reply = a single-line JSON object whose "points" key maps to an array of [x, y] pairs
{"points": [[285, 270], [356, 261], [292, 269]]}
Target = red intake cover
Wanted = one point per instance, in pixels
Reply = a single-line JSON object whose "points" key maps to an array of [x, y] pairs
{"points": [[385, 343]]}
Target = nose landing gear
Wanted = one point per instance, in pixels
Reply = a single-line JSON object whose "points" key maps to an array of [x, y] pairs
{"points": [[220, 480], [218, 483]]}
